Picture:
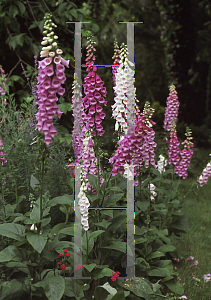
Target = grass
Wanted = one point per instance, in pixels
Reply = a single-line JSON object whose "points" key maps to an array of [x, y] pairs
{"points": [[197, 241]]}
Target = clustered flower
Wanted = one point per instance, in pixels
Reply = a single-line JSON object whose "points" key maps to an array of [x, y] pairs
{"points": [[115, 276], [2, 92], [186, 154], [152, 191], [207, 277], [137, 147], [173, 146], [79, 117], [51, 76], [91, 123], [162, 163], [206, 174], [65, 254], [84, 204], [95, 92], [90, 161], [119, 108], [171, 112], [195, 264], [116, 58]]}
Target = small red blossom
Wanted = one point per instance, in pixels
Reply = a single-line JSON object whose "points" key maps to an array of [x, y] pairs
{"points": [[63, 267], [59, 263], [115, 276], [79, 267], [67, 254], [65, 250]]}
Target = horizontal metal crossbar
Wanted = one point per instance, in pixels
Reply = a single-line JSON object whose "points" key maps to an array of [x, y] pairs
{"points": [[103, 208]]}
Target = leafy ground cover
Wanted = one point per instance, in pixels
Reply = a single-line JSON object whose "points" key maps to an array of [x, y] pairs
{"points": [[197, 241]]}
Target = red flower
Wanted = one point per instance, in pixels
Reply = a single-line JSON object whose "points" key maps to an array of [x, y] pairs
{"points": [[65, 250], [115, 276], [59, 263], [67, 254], [63, 267]]}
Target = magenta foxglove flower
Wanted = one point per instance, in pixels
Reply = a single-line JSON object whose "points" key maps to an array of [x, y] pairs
{"points": [[189, 258], [2, 81], [173, 146], [186, 154], [51, 77], [95, 92], [207, 277], [137, 148], [171, 113]]}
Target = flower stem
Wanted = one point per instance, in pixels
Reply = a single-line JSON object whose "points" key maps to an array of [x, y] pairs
{"points": [[87, 244], [41, 186]]}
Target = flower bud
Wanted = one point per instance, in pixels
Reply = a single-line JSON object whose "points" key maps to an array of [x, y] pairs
{"points": [[44, 42], [50, 40], [59, 51], [49, 47], [55, 37], [52, 54], [54, 44], [45, 32]]}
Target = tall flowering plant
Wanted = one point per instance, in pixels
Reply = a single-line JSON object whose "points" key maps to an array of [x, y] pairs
{"points": [[51, 77], [137, 148], [2, 92], [116, 58], [180, 158], [88, 116]]}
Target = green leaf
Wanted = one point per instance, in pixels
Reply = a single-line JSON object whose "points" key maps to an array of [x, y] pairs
{"points": [[166, 248], [38, 241], [95, 28], [140, 287], [73, 12], [73, 289], [93, 181], [96, 233], [188, 202], [13, 231], [100, 273], [67, 231], [71, 182], [84, 243], [11, 290], [13, 10], [108, 288], [10, 253], [64, 107], [155, 255], [54, 287], [143, 205], [61, 8], [34, 182], [156, 273], [119, 246], [89, 267], [18, 265], [175, 287], [116, 222], [21, 7], [65, 199], [111, 201]]}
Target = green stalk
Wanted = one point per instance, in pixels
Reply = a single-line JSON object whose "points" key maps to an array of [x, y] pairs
{"points": [[98, 190], [166, 217], [87, 244], [41, 186]]}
